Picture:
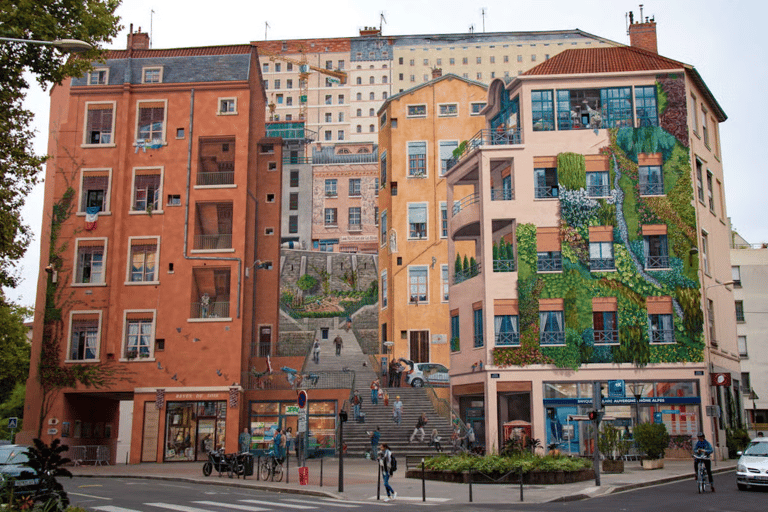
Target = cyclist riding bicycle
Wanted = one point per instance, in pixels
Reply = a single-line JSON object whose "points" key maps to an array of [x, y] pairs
{"points": [[701, 450]]}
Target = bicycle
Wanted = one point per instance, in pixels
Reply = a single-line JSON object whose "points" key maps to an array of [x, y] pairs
{"points": [[702, 481], [272, 467]]}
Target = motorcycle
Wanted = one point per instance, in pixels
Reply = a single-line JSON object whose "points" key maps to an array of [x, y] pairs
{"points": [[229, 463]]}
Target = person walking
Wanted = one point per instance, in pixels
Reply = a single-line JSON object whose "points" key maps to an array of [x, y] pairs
{"points": [[375, 391], [316, 351], [434, 440], [375, 437], [338, 342], [397, 410], [356, 403], [420, 424], [703, 447], [385, 463]]}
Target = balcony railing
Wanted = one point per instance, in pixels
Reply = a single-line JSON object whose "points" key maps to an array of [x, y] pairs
{"points": [[504, 266], [467, 273], [484, 138], [466, 201], [507, 339], [216, 178], [661, 261], [502, 194], [601, 264], [607, 337], [550, 263], [216, 241], [662, 336], [552, 338], [210, 310]]}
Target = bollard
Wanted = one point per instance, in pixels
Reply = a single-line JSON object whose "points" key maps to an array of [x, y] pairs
{"points": [[423, 482], [470, 485], [321, 471]]}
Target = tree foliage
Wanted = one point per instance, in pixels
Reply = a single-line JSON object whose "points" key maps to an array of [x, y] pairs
{"points": [[92, 21]]}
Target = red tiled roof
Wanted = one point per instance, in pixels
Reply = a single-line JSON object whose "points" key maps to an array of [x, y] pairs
{"points": [[603, 60], [181, 52]]}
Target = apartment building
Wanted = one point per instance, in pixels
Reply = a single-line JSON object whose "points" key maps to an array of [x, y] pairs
{"points": [[749, 273], [418, 131], [604, 270], [162, 225]]}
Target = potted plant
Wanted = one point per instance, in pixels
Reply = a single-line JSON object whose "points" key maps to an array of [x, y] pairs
{"points": [[613, 448], [653, 440]]}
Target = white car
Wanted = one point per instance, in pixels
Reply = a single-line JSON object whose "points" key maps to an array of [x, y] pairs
{"points": [[752, 468], [418, 374]]}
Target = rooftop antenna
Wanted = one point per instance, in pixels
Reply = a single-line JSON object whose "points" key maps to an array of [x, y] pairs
{"points": [[482, 11], [151, 19], [266, 26], [382, 20]]}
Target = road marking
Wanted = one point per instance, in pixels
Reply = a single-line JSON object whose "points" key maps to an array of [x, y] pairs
{"points": [[288, 505], [331, 503], [110, 508], [88, 495], [180, 508], [231, 505]]}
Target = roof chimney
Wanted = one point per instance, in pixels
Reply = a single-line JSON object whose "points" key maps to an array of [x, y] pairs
{"points": [[437, 73], [137, 40], [643, 34]]}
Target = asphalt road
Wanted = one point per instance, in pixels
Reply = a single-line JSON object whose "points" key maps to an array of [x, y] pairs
{"points": [[133, 495]]}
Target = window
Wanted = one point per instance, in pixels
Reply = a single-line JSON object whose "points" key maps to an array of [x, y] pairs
{"points": [[143, 261], [227, 106], [742, 342], [710, 192], [542, 111], [446, 153], [507, 330], [651, 180], [99, 123], [152, 75], [477, 324], [94, 191], [597, 184], [700, 179], [705, 252], [545, 180], [90, 261], [139, 335], [736, 276], [384, 294], [455, 332], [449, 109], [294, 179], [355, 219], [383, 170], [151, 121], [331, 218], [443, 219], [417, 159], [330, 188], [601, 256], [605, 327], [477, 107], [549, 261], [383, 228], [84, 336], [293, 201], [645, 106], [656, 251], [417, 111], [739, 311], [417, 284], [354, 187], [551, 329], [444, 283], [662, 328], [146, 190], [99, 76], [417, 221]]}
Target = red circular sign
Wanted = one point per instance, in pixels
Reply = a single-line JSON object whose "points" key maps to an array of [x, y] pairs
{"points": [[302, 399]]}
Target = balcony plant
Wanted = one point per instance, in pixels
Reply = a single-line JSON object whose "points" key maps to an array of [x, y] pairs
{"points": [[613, 448], [653, 440]]}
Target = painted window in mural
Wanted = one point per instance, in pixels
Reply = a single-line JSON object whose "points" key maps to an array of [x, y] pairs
{"points": [[193, 429]]}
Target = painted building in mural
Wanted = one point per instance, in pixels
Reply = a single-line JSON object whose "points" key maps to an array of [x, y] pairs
{"points": [[607, 262]]}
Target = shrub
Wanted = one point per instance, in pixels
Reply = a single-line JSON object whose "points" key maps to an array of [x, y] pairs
{"points": [[653, 439]]}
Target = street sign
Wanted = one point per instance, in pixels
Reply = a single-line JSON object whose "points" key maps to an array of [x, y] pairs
{"points": [[301, 400], [616, 389], [13, 423]]}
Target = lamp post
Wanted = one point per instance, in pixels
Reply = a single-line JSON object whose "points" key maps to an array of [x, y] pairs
{"points": [[67, 45]]}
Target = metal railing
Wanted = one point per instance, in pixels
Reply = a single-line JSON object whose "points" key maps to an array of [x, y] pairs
{"points": [[295, 379], [465, 201], [601, 264], [210, 310], [607, 337], [95, 454], [484, 138], [216, 241], [550, 264], [552, 338], [466, 273], [507, 339], [504, 266], [657, 261], [215, 178], [502, 194]]}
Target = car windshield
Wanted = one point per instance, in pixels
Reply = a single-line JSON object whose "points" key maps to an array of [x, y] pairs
{"points": [[757, 450], [13, 455]]}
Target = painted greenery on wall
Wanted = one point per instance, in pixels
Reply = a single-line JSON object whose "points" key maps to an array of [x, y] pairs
{"points": [[626, 210]]}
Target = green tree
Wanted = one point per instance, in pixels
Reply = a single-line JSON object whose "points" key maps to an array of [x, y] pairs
{"points": [[92, 21]]}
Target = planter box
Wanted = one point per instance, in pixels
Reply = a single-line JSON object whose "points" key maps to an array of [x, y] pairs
{"points": [[533, 478], [653, 463], [613, 466]]}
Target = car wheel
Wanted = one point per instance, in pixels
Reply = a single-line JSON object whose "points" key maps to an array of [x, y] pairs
{"points": [[417, 383], [742, 487], [207, 469]]}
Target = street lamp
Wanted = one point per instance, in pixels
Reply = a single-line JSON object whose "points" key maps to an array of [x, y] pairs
{"points": [[67, 45]]}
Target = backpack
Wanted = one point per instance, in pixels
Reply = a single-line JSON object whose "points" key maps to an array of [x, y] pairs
{"points": [[392, 463]]}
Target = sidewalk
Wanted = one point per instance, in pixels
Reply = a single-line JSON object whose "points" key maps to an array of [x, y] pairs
{"points": [[360, 478]]}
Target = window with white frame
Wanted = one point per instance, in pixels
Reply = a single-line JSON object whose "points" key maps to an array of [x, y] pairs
{"points": [[153, 75], [151, 119], [99, 123], [143, 260], [416, 111], [147, 190], [384, 294], [417, 284], [99, 76], [84, 331], [94, 190], [446, 153], [139, 330], [417, 221], [448, 110], [227, 105], [91, 256], [417, 159], [444, 283]]}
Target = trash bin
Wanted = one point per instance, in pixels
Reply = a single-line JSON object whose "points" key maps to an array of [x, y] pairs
{"points": [[248, 464]]}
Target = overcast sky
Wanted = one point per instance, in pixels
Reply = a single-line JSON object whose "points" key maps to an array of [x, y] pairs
{"points": [[723, 39]]}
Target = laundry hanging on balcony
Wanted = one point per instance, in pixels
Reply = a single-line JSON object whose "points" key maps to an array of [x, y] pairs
{"points": [[91, 217]]}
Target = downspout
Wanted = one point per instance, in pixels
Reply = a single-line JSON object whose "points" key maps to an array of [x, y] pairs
{"points": [[186, 208]]}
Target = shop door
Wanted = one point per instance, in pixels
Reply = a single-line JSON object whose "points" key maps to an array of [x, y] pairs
{"points": [[420, 346], [206, 436]]}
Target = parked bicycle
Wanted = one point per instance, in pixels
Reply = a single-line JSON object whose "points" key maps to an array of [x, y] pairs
{"points": [[271, 467]]}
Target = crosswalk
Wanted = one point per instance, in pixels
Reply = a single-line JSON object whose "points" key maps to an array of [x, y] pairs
{"points": [[245, 505]]}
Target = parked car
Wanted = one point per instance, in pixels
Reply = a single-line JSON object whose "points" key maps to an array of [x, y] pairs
{"points": [[13, 462], [417, 374], [752, 468]]}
